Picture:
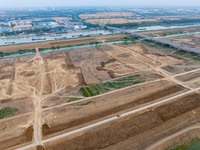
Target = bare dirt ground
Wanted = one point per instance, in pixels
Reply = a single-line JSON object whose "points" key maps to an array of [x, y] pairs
{"points": [[158, 58], [171, 31], [182, 67], [15, 131], [88, 60], [189, 40], [181, 137], [192, 79], [76, 115], [134, 131], [132, 55], [40, 87], [49, 44], [30, 82]]}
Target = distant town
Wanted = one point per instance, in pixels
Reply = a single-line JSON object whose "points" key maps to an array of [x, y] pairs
{"points": [[33, 23], [63, 20]]}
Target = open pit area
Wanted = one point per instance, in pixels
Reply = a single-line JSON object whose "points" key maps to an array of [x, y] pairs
{"points": [[109, 97]]}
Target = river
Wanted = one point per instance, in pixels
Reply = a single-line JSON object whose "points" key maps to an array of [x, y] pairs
{"points": [[28, 39], [63, 49]]}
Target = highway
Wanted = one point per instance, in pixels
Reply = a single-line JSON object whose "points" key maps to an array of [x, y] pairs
{"points": [[161, 41]]}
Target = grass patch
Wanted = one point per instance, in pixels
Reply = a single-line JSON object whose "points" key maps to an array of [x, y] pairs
{"points": [[7, 112], [182, 53], [100, 88]]}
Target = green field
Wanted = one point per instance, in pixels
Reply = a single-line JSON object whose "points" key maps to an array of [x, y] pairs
{"points": [[100, 88], [7, 112]]}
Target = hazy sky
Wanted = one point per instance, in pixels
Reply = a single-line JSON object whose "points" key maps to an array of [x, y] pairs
{"points": [[41, 3]]}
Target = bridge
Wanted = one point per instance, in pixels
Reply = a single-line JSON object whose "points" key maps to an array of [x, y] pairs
{"points": [[161, 41]]}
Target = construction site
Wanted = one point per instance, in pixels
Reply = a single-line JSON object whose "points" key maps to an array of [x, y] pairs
{"points": [[131, 96]]}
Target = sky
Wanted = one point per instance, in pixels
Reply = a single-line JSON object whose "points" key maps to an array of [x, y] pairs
{"points": [[44, 3]]}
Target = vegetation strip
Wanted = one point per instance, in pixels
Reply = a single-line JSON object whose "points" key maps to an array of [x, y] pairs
{"points": [[7, 112], [100, 88], [26, 51]]}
